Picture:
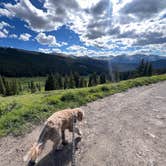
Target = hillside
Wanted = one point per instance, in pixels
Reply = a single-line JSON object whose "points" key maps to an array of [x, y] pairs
{"points": [[14, 62], [19, 63]]}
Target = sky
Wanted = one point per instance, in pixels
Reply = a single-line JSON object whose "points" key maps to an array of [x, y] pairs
{"points": [[85, 27]]}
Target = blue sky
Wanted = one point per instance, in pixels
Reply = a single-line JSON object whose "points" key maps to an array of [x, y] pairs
{"points": [[83, 27]]}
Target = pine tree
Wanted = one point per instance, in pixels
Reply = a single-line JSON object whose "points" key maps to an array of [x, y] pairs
{"points": [[66, 82], [90, 83], [94, 79], [141, 68], [50, 83], [8, 88], [2, 87], [59, 81], [33, 87], [145, 69], [81, 82], [150, 69], [102, 78], [76, 79], [117, 76], [13, 87], [71, 81], [20, 88], [38, 86]]}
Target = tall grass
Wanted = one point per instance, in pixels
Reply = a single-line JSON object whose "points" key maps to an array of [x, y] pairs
{"points": [[19, 113]]}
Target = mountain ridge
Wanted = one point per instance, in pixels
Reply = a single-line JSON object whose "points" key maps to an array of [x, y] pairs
{"points": [[18, 62]]}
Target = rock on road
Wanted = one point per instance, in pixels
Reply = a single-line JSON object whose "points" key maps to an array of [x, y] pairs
{"points": [[125, 129]]}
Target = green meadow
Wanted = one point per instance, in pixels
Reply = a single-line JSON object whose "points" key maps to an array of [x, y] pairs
{"points": [[18, 114]]}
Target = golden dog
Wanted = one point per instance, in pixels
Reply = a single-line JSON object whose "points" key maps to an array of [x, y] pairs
{"points": [[54, 130]]}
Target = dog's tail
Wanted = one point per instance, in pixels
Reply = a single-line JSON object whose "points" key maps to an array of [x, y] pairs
{"points": [[37, 147], [34, 152]]}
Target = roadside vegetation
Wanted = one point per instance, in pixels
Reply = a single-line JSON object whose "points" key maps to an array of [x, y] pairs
{"points": [[19, 113]]}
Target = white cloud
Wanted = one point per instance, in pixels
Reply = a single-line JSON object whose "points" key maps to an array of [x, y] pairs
{"points": [[4, 24], [44, 39], [25, 36], [106, 24], [44, 50], [76, 48], [5, 31], [13, 36], [56, 50], [2, 35]]}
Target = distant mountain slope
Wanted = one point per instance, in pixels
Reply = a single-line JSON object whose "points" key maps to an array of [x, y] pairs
{"points": [[16, 62]]}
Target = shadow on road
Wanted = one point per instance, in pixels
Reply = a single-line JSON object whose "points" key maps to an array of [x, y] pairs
{"points": [[59, 158]]}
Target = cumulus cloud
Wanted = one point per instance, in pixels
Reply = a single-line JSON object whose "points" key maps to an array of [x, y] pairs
{"points": [[143, 8], [2, 35], [44, 39], [13, 36], [44, 50], [25, 36], [4, 24], [105, 24], [76, 48]]}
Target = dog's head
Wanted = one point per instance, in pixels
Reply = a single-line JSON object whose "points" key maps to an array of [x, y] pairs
{"points": [[79, 114]]}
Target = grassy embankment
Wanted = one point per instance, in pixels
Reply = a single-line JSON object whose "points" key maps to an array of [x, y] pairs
{"points": [[19, 113]]}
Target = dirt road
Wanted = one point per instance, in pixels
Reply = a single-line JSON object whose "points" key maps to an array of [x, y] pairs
{"points": [[126, 129]]}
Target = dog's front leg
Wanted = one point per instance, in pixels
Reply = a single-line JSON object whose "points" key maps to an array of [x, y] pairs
{"points": [[64, 141], [78, 131]]}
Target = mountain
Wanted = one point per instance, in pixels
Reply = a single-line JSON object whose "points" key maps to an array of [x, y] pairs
{"points": [[134, 59], [18, 63], [126, 62]]}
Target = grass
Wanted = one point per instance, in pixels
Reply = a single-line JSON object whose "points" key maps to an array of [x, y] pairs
{"points": [[25, 80], [20, 113]]}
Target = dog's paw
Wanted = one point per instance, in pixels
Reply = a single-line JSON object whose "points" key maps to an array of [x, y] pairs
{"points": [[65, 143]]}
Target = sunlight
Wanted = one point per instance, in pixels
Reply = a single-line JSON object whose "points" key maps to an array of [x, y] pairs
{"points": [[87, 4]]}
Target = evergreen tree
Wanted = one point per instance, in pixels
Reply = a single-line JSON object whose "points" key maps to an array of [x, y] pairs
{"points": [[50, 83], [2, 87], [95, 79], [14, 87], [71, 81], [82, 82], [117, 76], [141, 68], [102, 78], [150, 69], [59, 81], [8, 87], [76, 79], [33, 87], [38, 86], [90, 83], [66, 82], [20, 87], [145, 69]]}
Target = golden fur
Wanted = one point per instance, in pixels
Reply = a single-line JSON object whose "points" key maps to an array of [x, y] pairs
{"points": [[54, 130]]}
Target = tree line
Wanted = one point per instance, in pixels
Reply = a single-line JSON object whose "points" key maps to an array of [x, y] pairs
{"points": [[14, 87], [73, 80]]}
